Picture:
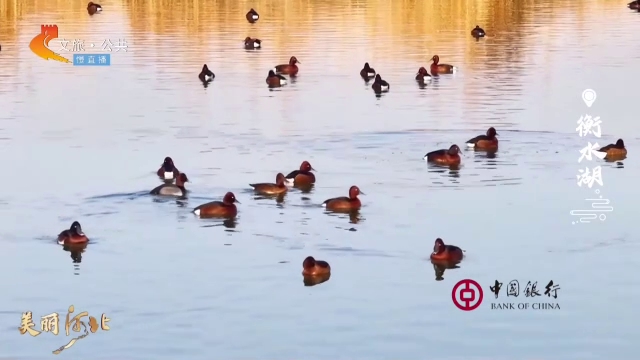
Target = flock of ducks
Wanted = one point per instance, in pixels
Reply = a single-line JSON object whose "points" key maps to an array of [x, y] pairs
{"points": [[317, 271]]}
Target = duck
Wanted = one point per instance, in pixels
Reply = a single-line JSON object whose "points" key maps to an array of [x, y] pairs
{"points": [[484, 142], [275, 80], [222, 209], [448, 157], [73, 235], [288, 69], [379, 86], [172, 190], [313, 267], [446, 253], [271, 189], [477, 32], [437, 68], [367, 71], [252, 16], [614, 151], [423, 76], [634, 5], [168, 170], [206, 74], [252, 44], [351, 203], [93, 8], [303, 176]]}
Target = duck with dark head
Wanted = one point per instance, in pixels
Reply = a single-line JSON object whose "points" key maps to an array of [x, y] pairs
{"points": [[344, 203], [423, 76], [288, 69], [488, 142], [379, 86], [252, 44], [219, 209], [615, 151], [73, 235], [206, 75], [168, 171], [177, 190], [313, 267], [448, 254], [477, 32], [437, 68], [93, 8], [303, 176], [252, 16], [275, 80], [448, 157], [367, 72], [269, 188]]}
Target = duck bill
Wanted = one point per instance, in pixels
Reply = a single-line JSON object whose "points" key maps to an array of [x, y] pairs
{"points": [[361, 193], [312, 169], [238, 202]]}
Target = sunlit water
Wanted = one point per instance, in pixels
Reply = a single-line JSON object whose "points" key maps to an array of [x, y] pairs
{"points": [[83, 143]]}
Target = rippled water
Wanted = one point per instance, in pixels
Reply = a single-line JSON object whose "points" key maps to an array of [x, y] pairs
{"points": [[83, 143]]}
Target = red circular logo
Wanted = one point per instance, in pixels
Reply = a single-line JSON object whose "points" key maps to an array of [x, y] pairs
{"points": [[467, 295]]}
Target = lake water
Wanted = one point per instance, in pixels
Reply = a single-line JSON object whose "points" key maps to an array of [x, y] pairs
{"points": [[83, 143]]}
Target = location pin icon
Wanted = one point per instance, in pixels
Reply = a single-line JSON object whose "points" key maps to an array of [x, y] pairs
{"points": [[589, 97]]}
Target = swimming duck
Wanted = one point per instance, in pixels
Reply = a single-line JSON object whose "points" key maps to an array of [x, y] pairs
{"points": [[172, 190], [379, 86], [367, 72], [615, 151], [445, 156], [303, 176], [447, 253], [275, 80], [73, 235], [485, 142], [269, 188], [313, 267], [478, 32], [222, 209], [93, 8], [437, 68], [634, 5], [288, 69], [252, 44], [252, 16], [206, 74], [423, 76], [168, 170], [351, 203]]}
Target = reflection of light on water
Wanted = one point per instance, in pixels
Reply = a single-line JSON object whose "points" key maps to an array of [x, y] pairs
{"points": [[597, 206]]}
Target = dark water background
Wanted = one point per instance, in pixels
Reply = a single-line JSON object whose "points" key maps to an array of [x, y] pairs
{"points": [[82, 143]]}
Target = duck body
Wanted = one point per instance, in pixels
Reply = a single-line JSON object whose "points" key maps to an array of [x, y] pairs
{"points": [[615, 151], [367, 72], [446, 253], [177, 190], [206, 75], [379, 86], [72, 236], [313, 267], [437, 68], [288, 69], [270, 188], [93, 8], [344, 203], [220, 209], [423, 76], [252, 16], [478, 32], [252, 44], [449, 157], [275, 80], [484, 142]]}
